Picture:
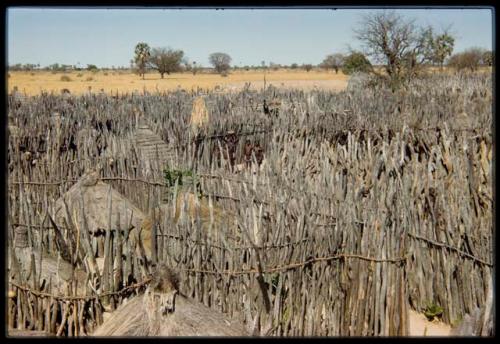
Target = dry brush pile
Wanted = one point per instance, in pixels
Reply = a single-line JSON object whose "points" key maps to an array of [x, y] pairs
{"points": [[367, 203]]}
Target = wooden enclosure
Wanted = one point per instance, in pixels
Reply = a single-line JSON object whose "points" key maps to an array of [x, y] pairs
{"points": [[368, 203]]}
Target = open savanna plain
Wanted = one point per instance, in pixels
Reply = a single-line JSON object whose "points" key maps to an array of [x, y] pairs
{"points": [[112, 82], [290, 211]]}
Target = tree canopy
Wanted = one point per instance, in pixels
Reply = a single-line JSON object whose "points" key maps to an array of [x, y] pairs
{"points": [[166, 60], [220, 61]]}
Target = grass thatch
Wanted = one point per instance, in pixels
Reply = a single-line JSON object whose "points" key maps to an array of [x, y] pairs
{"points": [[161, 311], [199, 114]]}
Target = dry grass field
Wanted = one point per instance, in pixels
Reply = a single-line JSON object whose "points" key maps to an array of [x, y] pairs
{"points": [[33, 83]]}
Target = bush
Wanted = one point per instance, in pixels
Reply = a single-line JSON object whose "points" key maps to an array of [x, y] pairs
{"points": [[32, 74], [307, 67], [433, 311], [65, 78], [79, 75], [89, 78], [356, 62], [106, 73], [469, 59]]}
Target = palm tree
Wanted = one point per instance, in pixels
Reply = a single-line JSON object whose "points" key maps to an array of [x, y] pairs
{"points": [[142, 54]]}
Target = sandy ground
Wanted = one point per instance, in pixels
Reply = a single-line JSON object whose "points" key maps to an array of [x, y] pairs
{"points": [[420, 326], [33, 83]]}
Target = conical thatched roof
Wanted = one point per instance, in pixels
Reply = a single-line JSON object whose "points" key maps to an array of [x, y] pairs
{"points": [[97, 199], [189, 319], [162, 311], [52, 268]]}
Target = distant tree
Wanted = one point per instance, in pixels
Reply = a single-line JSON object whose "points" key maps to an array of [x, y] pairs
{"points": [[166, 60], [307, 67], [91, 67], [356, 62], [56, 67], [274, 66], [294, 66], [221, 62], [469, 59], [398, 44], [195, 68], [442, 48], [16, 67], [66, 67], [333, 61], [141, 58]]}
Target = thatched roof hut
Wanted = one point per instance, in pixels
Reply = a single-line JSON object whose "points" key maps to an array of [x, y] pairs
{"points": [[162, 311], [190, 318], [97, 199], [53, 269]]}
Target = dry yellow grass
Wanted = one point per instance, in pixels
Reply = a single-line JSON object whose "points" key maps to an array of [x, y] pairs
{"points": [[126, 81]]}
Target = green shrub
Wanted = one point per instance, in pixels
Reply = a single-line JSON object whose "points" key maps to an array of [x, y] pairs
{"points": [[65, 78], [356, 62], [181, 178], [433, 311]]}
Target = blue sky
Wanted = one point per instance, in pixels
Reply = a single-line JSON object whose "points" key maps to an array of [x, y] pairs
{"points": [[107, 37]]}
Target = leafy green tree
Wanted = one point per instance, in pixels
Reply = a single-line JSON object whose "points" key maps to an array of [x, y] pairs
{"points": [[442, 48], [91, 67], [166, 60], [141, 58], [356, 62]]}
